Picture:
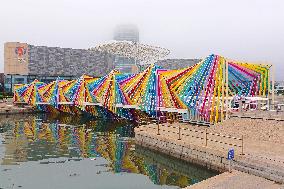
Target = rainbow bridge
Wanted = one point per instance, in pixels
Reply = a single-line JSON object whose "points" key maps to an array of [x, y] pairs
{"points": [[199, 92]]}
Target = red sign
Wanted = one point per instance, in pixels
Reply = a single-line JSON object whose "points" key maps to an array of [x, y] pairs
{"points": [[20, 51]]}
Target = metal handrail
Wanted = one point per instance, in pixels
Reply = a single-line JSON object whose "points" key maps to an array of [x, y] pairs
{"points": [[207, 138]]}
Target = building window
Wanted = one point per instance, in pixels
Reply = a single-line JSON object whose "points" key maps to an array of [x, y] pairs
{"points": [[8, 80], [19, 81]]}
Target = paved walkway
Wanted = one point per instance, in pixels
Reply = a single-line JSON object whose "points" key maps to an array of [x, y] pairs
{"points": [[261, 158], [236, 180], [255, 146]]}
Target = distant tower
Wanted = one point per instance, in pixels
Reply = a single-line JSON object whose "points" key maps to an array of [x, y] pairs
{"points": [[126, 32]]}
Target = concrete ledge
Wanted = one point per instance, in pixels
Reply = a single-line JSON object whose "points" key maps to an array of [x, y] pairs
{"points": [[188, 153], [210, 158], [235, 180]]}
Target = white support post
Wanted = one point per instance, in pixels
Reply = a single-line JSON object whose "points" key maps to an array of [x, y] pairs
{"points": [[227, 90], [273, 83], [269, 89]]}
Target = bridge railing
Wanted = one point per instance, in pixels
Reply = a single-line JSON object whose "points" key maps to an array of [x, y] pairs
{"points": [[199, 136]]}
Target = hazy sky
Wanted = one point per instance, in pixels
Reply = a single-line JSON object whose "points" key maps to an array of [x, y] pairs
{"points": [[248, 30]]}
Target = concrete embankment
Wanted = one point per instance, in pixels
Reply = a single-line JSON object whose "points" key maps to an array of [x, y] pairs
{"points": [[8, 108], [235, 180], [194, 171], [197, 147]]}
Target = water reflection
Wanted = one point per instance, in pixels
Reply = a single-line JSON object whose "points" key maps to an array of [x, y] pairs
{"points": [[43, 137]]}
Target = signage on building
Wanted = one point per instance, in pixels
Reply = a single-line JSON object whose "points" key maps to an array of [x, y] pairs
{"points": [[20, 52]]}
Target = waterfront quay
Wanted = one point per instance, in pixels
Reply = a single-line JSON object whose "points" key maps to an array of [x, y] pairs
{"points": [[258, 145], [11, 108], [235, 180]]}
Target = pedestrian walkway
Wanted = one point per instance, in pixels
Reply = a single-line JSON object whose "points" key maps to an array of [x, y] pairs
{"points": [[209, 147], [236, 180]]}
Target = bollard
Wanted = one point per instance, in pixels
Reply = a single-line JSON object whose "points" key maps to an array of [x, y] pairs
{"points": [[242, 145], [205, 137], [179, 132], [230, 166]]}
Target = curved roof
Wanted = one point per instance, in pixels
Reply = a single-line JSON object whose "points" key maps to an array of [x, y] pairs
{"points": [[144, 54]]}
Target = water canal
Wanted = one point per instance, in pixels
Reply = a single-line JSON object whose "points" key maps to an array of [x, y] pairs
{"points": [[59, 151]]}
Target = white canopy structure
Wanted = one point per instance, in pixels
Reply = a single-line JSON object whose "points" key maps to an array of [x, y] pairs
{"points": [[141, 53]]}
